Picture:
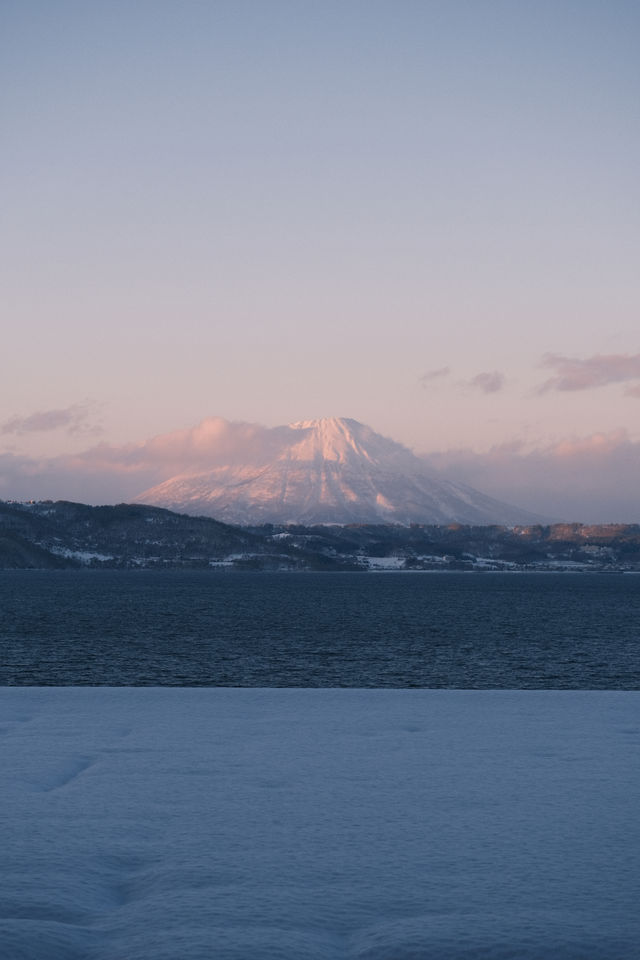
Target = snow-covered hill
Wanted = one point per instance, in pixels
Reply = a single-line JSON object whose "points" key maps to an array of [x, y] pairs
{"points": [[333, 470]]}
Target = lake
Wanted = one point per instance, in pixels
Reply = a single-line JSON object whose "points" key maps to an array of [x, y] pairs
{"points": [[245, 629]]}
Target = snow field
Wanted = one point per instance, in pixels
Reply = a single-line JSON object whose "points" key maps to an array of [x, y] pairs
{"points": [[283, 824]]}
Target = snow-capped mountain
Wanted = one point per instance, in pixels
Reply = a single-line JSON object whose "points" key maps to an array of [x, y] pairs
{"points": [[333, 470]]}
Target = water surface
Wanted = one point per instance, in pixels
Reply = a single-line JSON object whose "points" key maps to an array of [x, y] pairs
{"points": [[201, 628]]}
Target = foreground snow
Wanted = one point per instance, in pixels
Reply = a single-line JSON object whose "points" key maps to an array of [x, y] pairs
{"points": [[192, 824]]}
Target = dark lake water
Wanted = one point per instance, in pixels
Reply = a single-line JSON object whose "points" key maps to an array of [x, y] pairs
{"points": [[193, 628]]}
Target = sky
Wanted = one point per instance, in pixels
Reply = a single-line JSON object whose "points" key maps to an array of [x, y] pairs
{"points": [[421, 215]]}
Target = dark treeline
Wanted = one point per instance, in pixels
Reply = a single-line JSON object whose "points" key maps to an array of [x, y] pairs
{"points": [[63, 534]]}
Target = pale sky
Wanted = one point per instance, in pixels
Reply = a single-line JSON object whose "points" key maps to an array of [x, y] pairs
{"points": [[422, 215]]}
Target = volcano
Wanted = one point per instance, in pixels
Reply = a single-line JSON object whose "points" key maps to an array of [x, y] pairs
{"points": [[332, 470]]}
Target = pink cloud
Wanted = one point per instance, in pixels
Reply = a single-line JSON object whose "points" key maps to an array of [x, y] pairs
{"points": [[214, 441], [595, 446], [571, 373], [108, 472]]}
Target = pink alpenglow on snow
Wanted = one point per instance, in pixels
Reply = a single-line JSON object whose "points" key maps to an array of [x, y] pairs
{"points": [[332, 470]]}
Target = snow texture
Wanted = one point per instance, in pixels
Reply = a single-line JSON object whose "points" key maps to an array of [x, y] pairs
{"points": [[253, 824]]}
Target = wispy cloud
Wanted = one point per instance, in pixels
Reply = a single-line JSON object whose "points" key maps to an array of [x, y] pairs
{"points": [[572, 373], [432, 375], [73, 420], [488, 382]]}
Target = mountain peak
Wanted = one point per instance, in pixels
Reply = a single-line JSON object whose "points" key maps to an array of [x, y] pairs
{"points": [[330, 438], [328, 424], [330, 470]]}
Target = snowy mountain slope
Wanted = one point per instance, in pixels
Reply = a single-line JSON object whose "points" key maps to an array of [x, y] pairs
{"points": [[333, 470]]}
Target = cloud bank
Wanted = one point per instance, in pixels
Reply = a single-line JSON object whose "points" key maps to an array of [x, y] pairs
{"points": [[589, 479], [109, 473]]}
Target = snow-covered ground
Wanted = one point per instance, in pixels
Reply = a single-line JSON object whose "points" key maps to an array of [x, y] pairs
{"points": [[383, 563], [266, 824], [84, 556]]}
